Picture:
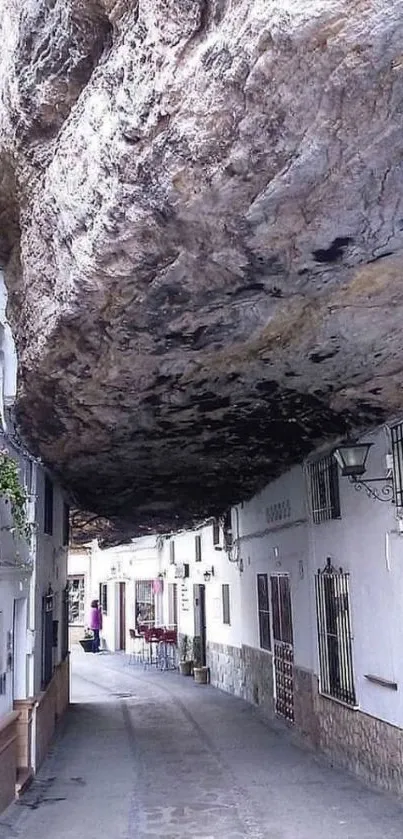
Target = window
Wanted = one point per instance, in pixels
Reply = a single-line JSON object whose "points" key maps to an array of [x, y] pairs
{"points": [[76, 600], [66, 524], [145, 605], [335, 639], [48, 512], [216, 532], [198, 548], [103, 597], [226, 617], [263, 611], [172, 553], [397, 452], [324, 489]]}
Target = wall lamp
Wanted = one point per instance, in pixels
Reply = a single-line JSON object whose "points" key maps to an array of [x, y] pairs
{"points": [[352, 459], [208, 574]]}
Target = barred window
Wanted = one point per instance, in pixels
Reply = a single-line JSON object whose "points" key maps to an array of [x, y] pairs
{"points": [[335, 638], [397, 452], [324, 489], [76, 592], [145, 602], [198, 548]]}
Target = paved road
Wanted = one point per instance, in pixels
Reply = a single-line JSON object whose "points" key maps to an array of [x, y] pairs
{"points": [[145, 755]]}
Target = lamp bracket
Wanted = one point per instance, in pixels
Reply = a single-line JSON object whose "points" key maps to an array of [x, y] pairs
{"points": [[384, 494]]}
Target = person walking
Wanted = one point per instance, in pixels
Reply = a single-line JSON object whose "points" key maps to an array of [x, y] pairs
{"points": [[95, 624]]}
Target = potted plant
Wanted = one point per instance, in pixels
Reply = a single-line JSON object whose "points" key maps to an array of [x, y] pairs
{"points": [[185, 664], [200, 671], [87, 642]]}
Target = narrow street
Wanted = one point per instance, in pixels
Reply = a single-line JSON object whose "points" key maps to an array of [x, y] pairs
{"points": [[145, 754]]}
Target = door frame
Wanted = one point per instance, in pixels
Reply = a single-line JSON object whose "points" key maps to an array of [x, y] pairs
{"points": [[20, 648], [122, 615], [199, 608]]}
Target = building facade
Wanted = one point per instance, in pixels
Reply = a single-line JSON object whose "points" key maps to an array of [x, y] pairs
{"points": [[34, 674], [296, 596]]}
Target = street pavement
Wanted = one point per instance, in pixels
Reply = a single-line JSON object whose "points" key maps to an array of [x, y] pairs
{"points": [[144, 754]]}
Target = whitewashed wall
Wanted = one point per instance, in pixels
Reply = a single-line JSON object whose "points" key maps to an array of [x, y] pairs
{"points": [[225, 572], [50, 567], [14, 587], [366, 543], [273, 530]]}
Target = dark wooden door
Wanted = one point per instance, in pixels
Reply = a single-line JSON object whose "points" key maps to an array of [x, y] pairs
{"points": [[283, 645], [122, 616], [199, 599]]}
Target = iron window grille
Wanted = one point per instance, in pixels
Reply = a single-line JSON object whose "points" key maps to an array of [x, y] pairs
{"points": [[145, 602], [324, 489], [76, 589], [263, 611], [397, 454], [198, 548], [226, 616], [48, 507], [335, 639]]}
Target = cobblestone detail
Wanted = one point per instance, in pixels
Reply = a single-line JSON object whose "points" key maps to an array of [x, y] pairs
{"points": [[244, 671]]}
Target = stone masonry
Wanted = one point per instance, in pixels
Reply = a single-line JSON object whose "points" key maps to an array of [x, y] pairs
{"points": [[244, 671], [368, 747]]}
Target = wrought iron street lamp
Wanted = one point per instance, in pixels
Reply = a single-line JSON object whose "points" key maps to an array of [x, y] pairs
{"points": [[352, 459]]}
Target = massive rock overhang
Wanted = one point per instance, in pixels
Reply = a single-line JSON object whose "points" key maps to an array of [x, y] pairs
{"points": [[201, 228]]}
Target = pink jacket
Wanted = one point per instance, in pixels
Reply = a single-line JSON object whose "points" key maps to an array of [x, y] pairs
{"points": [[95, 618]]}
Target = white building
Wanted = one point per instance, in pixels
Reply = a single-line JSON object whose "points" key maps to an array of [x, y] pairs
{"points": [[299, 605], [34, 679]]}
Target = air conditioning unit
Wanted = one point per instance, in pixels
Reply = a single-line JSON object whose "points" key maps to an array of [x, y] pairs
{"points": [[182, 570]]}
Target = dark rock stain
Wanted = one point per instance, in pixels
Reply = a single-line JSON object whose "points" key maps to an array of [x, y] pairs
{"points": [[335, 251]]}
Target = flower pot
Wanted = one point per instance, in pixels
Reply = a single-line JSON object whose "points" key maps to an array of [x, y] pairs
{"points": [[185, 668], [200, 675], [87, 644]]}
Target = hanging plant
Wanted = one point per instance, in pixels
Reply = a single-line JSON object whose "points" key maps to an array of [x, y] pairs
{"points": [[14, 493]]}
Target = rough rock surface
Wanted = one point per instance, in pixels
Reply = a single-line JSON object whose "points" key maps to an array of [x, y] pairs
{"points": [[202, 227]]}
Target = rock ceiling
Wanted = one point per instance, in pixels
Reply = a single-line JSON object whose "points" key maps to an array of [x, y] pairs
{"points": [[201, 225]]}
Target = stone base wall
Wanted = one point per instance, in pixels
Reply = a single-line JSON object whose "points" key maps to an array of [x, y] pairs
{"points": [[50, 707], [25, 708], [244, 671], [371, 748], [366, 746], [8, 759]]}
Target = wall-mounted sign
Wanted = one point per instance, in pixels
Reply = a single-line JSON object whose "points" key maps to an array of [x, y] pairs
{"points": [[184, 596]]}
